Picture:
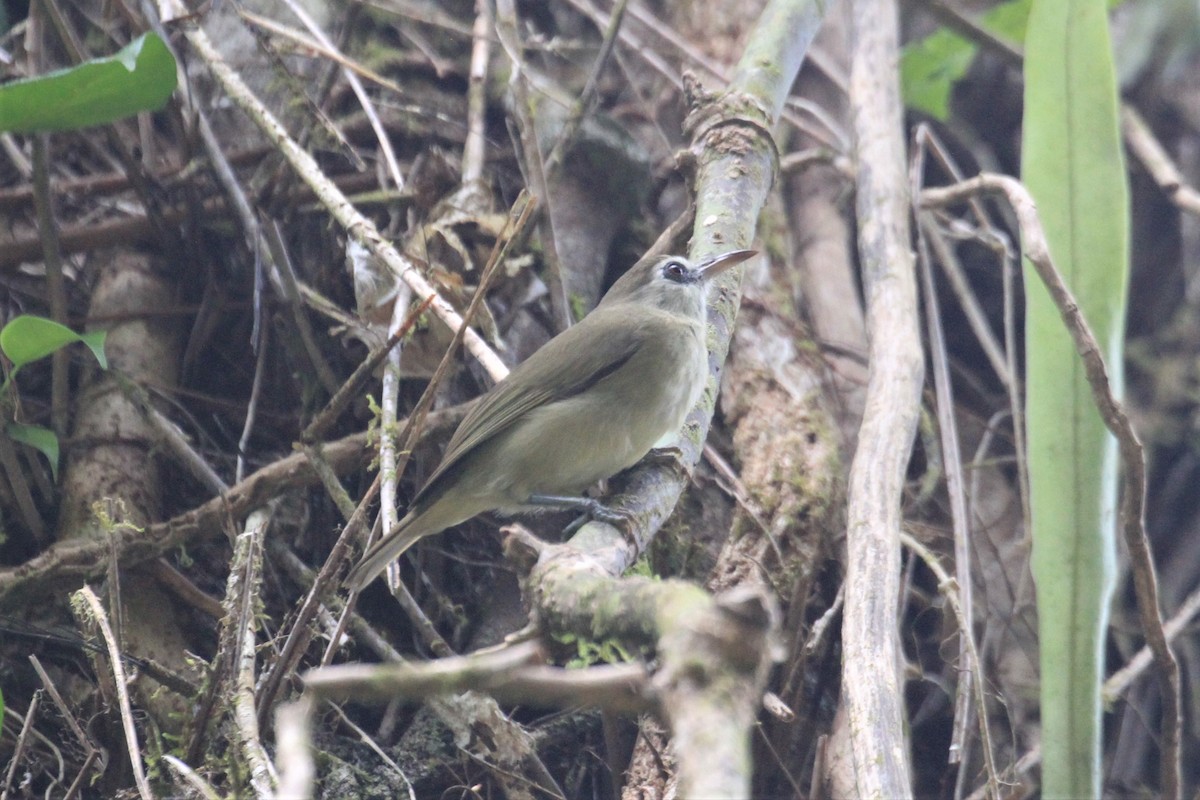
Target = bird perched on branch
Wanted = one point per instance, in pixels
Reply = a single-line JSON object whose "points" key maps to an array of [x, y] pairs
{"points": [[590, 403]]}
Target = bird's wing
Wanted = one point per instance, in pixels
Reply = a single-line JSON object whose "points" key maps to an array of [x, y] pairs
{"points": [[565, 366]]}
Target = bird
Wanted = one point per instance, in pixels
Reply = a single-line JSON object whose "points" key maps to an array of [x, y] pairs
{"points": [[590, 403]]}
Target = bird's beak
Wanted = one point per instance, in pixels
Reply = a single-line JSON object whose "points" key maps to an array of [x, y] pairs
{"points": [[712, 267]]}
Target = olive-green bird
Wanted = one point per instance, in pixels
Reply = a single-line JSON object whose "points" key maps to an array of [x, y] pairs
{"points": [[590, 403]]}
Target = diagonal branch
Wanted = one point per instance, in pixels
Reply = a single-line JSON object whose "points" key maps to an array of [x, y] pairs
{"points": [[357, 226]]}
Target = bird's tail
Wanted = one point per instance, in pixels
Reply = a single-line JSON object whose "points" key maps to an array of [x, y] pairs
{"points": [[387, 550], [423, 519]]}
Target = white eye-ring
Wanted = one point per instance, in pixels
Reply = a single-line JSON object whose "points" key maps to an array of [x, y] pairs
{"points": [[675, 270]]}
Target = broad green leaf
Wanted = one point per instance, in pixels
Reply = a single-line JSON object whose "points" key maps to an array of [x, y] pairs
{"points": [[27, 338], [41, 439], [1073, 164], [930, 67], [1008, 20], [140, 77]]}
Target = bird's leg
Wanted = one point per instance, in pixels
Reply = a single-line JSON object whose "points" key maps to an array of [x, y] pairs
{"points": [[592, 509]]}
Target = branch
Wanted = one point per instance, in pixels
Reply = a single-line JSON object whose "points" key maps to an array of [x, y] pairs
{"points": [[357, 226], [872, 695], [76, 560]]}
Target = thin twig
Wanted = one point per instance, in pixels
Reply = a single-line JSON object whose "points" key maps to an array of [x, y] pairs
{"points": [[370, 742], [570, 128], [260, 368], [976, 318], [992, 237], [116, 663], [368, 107], [356, 225], [507, 29], [1153, 156], [955, 488], [192, 778], [301, 632], [1121, 680], [518, 218], [350, 389], [63, 708], [952, 591], [283, 275], [55, 285], [389, 401], [481, 51], [243, 605], [21, 743]]}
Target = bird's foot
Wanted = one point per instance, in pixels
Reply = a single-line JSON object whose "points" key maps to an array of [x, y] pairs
{"points": [[592, 510], [670, 456]]}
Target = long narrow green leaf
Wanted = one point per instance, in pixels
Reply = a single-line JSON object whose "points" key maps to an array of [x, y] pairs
{"points": [[139, 77], [1072, 163]]}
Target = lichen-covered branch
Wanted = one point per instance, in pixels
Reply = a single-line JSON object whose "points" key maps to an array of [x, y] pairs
{"points": [[872, 696]]}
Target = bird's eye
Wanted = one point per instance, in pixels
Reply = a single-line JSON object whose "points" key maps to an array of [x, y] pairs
{"points": [[676, 271]]}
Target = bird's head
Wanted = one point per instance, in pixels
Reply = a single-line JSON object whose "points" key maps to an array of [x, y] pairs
{"points": [[672, 283]]}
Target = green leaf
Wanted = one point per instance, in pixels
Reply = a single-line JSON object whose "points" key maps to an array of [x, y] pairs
{"points": [[140, 77], [1008, 20], [41, 439], [94, 340], [930, 67], [1073, 164], [27, 338]]}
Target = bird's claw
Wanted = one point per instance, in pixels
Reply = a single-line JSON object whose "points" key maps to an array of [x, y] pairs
{"points": [[670, 456]]}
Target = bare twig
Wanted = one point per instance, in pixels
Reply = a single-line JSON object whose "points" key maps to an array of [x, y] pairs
{"points": [[518, 217], [481, 50], [976, 318], [193, 779], [243, 606], [21, 743], [301, 632], [507, 30], [952, 591], [994, 239], [95, 611], [389, 401], [368, 107], [370, 742], [350, 389], [575, 116], [55, 285], [1123, 678], [511, 674], [356, 225], [956, 489], [63, 708], [1154, 158]]}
